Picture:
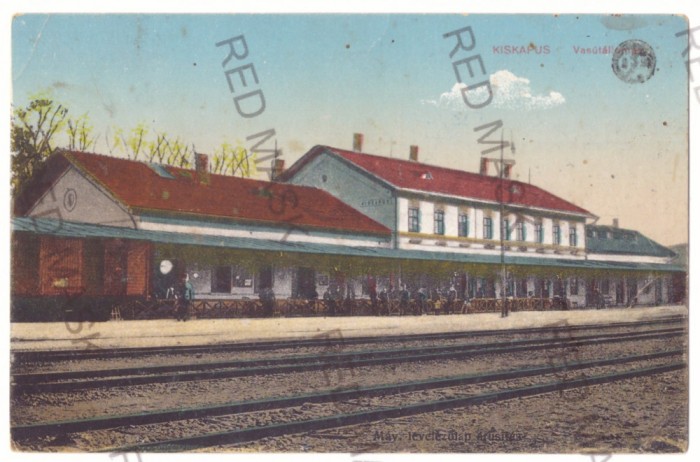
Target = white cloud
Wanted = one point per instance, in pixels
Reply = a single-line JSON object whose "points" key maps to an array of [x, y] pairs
{"points": [[509, 92]]}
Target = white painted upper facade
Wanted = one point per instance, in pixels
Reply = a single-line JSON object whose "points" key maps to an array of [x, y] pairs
{"points": [[476, 228]]}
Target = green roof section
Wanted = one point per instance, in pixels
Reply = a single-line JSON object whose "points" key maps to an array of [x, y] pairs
{"points": [[613, 240], [682, 254], [85, 230]]}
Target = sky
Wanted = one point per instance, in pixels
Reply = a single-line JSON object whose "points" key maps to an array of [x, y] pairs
{"points": [[615, 148]]}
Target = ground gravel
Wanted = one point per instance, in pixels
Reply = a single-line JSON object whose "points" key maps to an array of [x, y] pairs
{"points": [[651, 417], [530, 428]]}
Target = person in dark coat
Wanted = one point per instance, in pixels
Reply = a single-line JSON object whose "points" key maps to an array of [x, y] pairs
{"points": [[421, 300], [372, 289], [267, 298], [383, 301], [184, 295], [330, 301], [451, 298], [404, 299]]}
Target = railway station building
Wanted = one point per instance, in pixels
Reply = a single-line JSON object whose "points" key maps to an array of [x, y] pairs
{"points": [[339, 227], [549, 246]]}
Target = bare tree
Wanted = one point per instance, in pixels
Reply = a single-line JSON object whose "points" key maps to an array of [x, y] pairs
{"points": [[156, 149], [132, 143], [233, 160], [37, 128], [179, 153], [159, 148], [80, 135]]}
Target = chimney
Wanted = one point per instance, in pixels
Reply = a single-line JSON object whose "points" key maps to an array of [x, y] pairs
{"points": [[357, 139], [413, 153], [277, 169], [484, 168], [507, 169], [616, 223], [201, 166]]}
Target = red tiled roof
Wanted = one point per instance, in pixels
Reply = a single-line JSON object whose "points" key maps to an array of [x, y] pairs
{"points": [[141, 188], [405, 174]]}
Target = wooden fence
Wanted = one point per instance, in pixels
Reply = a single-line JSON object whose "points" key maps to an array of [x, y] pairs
{"points": [[244, 308]]}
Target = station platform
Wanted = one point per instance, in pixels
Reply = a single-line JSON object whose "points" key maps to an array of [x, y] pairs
{"points": [[170, 332]]}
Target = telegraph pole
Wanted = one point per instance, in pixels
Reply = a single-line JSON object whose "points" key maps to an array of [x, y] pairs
{"points": [[504, 306]]}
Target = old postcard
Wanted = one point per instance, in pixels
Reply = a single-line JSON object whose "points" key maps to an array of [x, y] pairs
{"points": [[349, 233]]}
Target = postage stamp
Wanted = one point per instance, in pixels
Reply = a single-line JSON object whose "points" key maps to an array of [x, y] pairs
{"points": [[350, 233]]}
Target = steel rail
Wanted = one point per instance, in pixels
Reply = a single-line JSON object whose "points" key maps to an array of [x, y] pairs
{"points": [[37, 377], [99, 423], [25, 384], [341, 420], [20, 356]]}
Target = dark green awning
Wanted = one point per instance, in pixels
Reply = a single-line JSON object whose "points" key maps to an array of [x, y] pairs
{"points": [[85, 230]]}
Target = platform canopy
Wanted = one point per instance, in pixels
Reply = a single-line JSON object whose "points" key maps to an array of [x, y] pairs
{"points": [[326, 253]]}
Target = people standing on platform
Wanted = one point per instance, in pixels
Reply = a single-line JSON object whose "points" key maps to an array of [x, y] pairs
{"points": [[184, 295], [312, 297], [451, 299], [421, 299], [331, 298], [404, 299], [372, 290], [384, 301], [267, 298]]}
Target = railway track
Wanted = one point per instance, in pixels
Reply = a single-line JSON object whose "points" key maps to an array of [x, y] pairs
{"points": [[326, 340], [242, 435], [80, 380]]}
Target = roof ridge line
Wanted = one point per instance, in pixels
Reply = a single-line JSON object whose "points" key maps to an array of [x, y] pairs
{"points": [[411, 162], [491, 180]]}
